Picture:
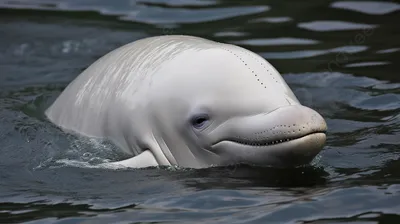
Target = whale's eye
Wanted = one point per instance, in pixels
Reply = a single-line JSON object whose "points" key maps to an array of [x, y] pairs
{"points": [[200, 121]]}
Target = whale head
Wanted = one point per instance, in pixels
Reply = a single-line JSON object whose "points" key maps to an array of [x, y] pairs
{"points": [[191, 102], [227, 105]]}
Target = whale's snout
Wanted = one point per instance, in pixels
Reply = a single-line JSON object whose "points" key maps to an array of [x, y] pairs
{"points": [[288, 136]]}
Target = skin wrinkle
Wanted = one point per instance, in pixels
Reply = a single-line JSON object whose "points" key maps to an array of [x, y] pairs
{"points": [[201, 146]]}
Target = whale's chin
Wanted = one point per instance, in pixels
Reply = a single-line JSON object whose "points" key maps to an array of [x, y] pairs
{"points": [[285, 152]]}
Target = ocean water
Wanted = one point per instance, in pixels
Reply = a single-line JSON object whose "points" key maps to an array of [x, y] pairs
{"points": [[339, 57]]}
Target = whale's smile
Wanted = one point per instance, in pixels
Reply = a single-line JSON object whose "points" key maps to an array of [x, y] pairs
{"points": [[278, 153], [267, 143]]}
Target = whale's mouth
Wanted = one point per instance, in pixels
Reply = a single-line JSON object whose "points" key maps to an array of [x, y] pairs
{"points": [[267, 142], [282, 151], [287, 136]]}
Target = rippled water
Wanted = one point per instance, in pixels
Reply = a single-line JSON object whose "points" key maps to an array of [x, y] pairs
{"points": [[339, 57]]}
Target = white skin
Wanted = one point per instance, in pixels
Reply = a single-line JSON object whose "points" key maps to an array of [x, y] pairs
{"points": [[209, 104]]}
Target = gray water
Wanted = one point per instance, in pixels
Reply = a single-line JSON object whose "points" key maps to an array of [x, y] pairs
{"points": [[339, 57]]}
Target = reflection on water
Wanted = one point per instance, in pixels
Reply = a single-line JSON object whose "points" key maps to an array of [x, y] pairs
{"points": [[339, 57], [368, 7], [334, 26]]}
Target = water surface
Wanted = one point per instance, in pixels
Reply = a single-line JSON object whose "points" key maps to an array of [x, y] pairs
{"points": [[339, 57]]}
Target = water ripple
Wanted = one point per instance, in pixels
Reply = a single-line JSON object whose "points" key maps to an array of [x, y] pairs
{"points": [[180, 3], [386, 51], [313, 53], [272, 20], [276, 41], [155, 15], [367, 64], [230, 34], [334, 26], [368, 7]]}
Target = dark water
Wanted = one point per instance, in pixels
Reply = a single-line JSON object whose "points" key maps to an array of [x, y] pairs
{"points": [[339, 57]]}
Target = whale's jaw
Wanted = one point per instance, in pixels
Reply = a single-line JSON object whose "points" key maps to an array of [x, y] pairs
{"points": [[287, 136]]}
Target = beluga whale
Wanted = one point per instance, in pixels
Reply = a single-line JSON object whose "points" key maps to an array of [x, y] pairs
{"points": [[186, 101]]}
